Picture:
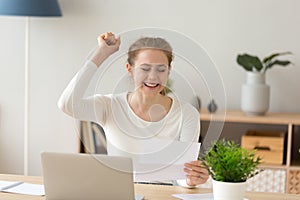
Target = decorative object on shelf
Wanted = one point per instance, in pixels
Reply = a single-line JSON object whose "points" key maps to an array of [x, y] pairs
{"points": [[230, 166], [255, 95], [212, 106]]}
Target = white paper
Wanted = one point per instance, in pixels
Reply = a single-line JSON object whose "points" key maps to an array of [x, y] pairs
{"points": [[167, 163], [207, 196], [27, 188], [159, 159], [138, 197], [7, 184]]}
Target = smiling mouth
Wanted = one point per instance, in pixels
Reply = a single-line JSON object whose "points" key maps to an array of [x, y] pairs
{"points": [[151, 85]]}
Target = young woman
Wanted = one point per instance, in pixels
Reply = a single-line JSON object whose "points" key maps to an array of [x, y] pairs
{"points": [[130, 117]]}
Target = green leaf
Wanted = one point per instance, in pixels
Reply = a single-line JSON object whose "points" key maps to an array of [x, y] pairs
{"points": [[278, 62], [227, 161], [269, 58], [249, 62]]}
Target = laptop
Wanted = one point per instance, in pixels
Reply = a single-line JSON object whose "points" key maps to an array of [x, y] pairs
{"points": [[70, 176]]}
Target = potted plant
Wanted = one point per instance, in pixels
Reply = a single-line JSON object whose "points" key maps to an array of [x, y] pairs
{"points": [[230, 166], [256, 93]]}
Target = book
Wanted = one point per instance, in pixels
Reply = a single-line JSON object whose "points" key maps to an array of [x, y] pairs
{"points": [[22, 188]]}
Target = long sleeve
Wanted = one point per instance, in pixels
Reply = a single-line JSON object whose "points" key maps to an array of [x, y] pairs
{"points": [[72, 101], [190, 130]]}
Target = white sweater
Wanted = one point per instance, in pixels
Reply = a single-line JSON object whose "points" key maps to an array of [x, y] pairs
{"points": [[123, 128]]}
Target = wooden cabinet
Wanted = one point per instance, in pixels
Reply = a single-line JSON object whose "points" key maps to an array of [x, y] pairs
{"points": [[293, 181], [234, 124]]}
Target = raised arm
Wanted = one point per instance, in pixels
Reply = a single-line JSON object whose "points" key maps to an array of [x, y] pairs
{"points": [[72, 100]]}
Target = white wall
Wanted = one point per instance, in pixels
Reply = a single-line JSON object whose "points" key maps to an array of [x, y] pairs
{"points": [[58, 47]]}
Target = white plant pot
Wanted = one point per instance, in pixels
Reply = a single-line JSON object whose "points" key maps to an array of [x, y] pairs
{"points": [[255, 96], [228, 191]]}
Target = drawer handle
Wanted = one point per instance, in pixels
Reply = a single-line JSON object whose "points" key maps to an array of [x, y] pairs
{"points": [[262, 148]]}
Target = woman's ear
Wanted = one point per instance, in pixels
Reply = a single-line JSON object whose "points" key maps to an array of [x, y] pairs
{"points": [[129, 68]]}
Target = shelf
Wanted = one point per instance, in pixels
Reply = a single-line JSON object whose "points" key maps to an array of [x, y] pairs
{"points": [[272, 166], [241, 117], [297, 168], [238, 122]]}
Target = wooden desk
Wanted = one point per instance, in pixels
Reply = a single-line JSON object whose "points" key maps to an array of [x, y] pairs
{"points": [[151, 192]]}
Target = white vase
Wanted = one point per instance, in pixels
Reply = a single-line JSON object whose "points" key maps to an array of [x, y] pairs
{"points": [[255, 96], [228, 191]]}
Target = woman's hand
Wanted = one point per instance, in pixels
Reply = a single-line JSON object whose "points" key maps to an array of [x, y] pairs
{"points": [[196, 173], [108, 44]]}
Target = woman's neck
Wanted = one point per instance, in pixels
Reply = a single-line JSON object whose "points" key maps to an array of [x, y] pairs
{"points": [[143, 101], [149, 108]]}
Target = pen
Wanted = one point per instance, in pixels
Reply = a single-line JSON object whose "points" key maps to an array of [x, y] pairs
{"points": [[153, 183]]}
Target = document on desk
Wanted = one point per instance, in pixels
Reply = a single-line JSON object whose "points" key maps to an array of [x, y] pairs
{"points": [[163, 160], [8, 184], [22, 188], [207, 196]]}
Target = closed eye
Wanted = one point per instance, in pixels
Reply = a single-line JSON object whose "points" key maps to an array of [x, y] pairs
{"points": [[161, 68], [146, 69]]}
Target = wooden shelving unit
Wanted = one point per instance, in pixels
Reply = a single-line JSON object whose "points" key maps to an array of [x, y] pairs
{"points": [[239, 116], [289, 120]]}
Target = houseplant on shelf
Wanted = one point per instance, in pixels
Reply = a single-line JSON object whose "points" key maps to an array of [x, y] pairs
{"points": [[230, 166], [255, 95]]}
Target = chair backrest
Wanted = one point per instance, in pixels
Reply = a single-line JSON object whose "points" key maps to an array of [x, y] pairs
{"points": [[92, 138]]}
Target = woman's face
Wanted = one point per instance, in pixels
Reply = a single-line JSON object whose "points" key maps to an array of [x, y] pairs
{"points": [[150, 71]]}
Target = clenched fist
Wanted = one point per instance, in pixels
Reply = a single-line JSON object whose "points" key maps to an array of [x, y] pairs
{"points": [[108, 37], [107, 45]]}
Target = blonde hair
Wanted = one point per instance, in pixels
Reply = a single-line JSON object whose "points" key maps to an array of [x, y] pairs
{"points": [[150, 43]]}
